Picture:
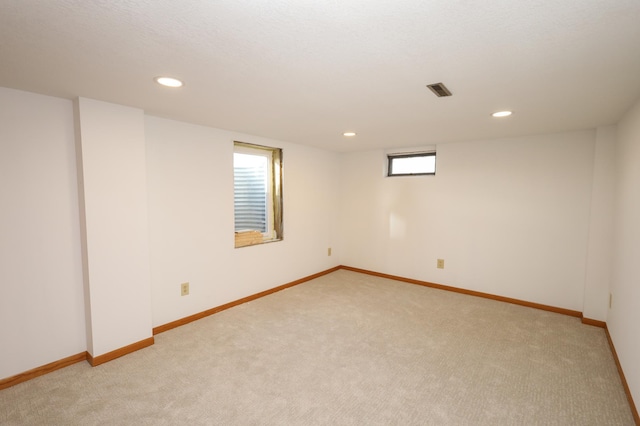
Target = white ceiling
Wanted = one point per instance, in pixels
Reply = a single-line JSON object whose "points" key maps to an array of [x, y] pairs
{"points": [[305, 71]]}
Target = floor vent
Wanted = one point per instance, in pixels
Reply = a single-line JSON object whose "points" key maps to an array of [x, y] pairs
{"points": [[439, 89]]}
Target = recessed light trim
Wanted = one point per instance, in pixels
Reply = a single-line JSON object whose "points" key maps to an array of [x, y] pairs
{"points": [[169, 81], [349, 134], [501, 114]]}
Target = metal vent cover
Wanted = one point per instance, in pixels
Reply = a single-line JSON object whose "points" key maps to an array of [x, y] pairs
{"points": [[439, 89]]}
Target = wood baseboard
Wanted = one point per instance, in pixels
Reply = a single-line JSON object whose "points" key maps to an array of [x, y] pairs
{"points": [[593, 322], [625, 385], [101, 359], [469, 292], [588, 321], [42, 370], [95, 361], [186, 320]]}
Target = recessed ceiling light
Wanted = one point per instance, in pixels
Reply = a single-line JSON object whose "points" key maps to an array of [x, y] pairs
{"points": [[501, 114], [349, 134], [169, 81]]}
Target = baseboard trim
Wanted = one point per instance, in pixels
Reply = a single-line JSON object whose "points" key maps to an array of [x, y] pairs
{"points": [[588, 321], [42, 370], [110, 356], [469, 292], [625, 385], [101, 359], [593, 322], [186, 320]]}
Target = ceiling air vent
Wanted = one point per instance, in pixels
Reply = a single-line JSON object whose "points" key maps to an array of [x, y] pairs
{"points": [[439, 89]]}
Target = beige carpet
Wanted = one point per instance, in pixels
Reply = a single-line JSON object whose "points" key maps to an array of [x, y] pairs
{"points": [[345, 349]]}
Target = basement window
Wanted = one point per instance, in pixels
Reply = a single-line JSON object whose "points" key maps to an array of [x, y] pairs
{"points": [[412, 164], [257, 188]]}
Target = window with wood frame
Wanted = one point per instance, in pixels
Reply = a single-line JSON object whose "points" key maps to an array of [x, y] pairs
{"points": [[257, 172]]}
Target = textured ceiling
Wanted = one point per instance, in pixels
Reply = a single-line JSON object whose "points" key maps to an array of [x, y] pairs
{"points": [[305, 71]]}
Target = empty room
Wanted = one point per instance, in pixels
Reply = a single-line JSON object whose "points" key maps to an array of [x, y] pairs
{"points": [[310, 213]]}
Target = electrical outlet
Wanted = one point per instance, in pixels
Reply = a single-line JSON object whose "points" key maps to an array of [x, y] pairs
{"points": [[440, 264], [329, 251], [184, 289], [610, 300]]}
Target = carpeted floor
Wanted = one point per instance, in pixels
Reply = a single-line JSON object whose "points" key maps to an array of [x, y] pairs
{"points": [[345, 349]]}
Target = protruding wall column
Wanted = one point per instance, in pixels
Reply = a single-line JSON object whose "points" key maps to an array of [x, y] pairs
{"points": [[113, 204], [600, 245]]}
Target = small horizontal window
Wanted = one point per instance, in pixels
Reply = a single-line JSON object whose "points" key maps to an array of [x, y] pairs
{"points": [[412, 164]]}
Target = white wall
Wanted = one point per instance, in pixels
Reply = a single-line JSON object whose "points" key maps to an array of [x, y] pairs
{"points": [[516, 217], [190, 213], [510, 217], [112, 151], [624, 317], [41, 295], [190, 185]]}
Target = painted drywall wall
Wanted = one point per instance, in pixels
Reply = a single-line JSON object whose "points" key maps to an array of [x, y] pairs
{"points": [[189, 205], [190, 187], [624, 316], [600, 245], [113, 184], [509, 217], [41, 294]]}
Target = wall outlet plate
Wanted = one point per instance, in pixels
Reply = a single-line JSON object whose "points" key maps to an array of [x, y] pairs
{"points": [[440, 264], [184, 289]]}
